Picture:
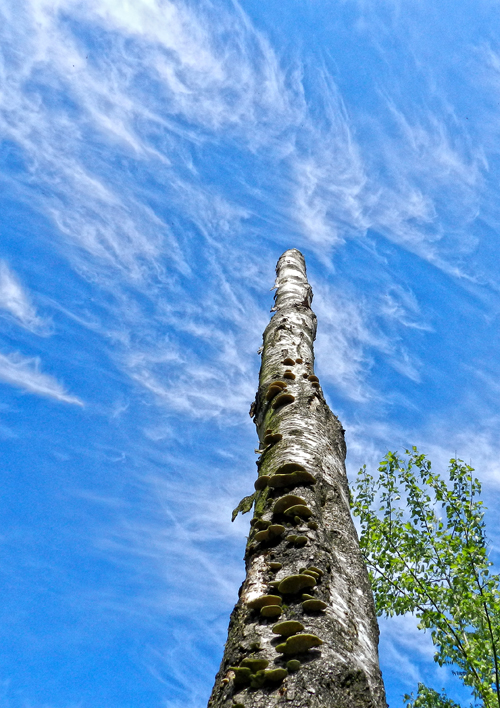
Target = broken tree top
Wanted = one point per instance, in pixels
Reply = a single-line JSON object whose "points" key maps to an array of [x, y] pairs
{"points": [[303, 632]]}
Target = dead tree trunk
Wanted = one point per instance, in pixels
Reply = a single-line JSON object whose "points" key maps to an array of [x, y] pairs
{"points": [[303, 632]]}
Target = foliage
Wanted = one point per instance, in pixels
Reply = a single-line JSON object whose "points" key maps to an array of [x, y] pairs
{"points": [[429, 698], [425, 546]]}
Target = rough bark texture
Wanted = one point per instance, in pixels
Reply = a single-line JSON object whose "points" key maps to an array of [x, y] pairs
{"points": [[311, 538]]}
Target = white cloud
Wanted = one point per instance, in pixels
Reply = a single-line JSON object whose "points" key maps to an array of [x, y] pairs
{"points": [[15, 300], [25, 373]]}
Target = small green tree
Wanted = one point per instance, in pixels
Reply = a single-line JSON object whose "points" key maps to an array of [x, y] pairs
{"points": [[424, 542]]}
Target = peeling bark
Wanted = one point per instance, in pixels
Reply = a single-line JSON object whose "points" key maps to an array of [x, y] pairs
{"points": [[302, 528]]}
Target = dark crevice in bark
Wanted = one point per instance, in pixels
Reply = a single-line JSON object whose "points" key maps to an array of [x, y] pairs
{"points": [[304, 631]]}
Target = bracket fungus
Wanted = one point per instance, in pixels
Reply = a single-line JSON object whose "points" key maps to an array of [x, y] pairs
{"points": [[271, 611], [312, 573], [315, 570], [255, 664], [257, 680], [275, 388], [288, 627], [289, 375], [272, 438], [314, 605], [299, 643], [293, 665], [260, 523], [313, 379], [288, 361], [300, 540], [275, 675], [297, 478], [264, 601], [276, 530], [301, 510], [241, 674], [269, 676], [283, 400], [274, 565], [287, 467], [284, 503], [295, 583], [261, 535], [274, 584], [262, 482]]}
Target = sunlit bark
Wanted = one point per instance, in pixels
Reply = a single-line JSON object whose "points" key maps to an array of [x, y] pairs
{"points": [[302, 559]]}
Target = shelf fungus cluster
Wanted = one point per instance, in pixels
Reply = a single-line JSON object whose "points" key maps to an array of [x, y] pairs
{"points": [[304, 624]]}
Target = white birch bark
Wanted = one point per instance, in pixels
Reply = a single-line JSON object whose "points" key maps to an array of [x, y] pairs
{"points": [[343, 671]]}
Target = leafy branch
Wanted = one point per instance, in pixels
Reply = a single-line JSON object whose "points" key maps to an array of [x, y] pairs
{"points": [[424, 542]]}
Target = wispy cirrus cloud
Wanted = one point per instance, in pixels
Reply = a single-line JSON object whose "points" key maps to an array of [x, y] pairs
{"points": [[24, 373], [15, 300]]}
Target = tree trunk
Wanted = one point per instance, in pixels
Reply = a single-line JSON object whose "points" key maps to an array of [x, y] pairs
{"points": [[304, 631]]}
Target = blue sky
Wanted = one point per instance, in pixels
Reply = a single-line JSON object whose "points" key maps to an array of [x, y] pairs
{"points": [[157, 157]]}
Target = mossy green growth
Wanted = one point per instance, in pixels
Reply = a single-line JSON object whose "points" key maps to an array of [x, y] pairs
{"points": [[293, 665], [305, 596], [264, 601], [261, 501], [314, 605], [312, 525], [299, 643], [254, 663], [287, 501], [301, 510], [288, 627], [238, 705], [295, 583], [276, 529], [291, 538], [274, 565]]}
